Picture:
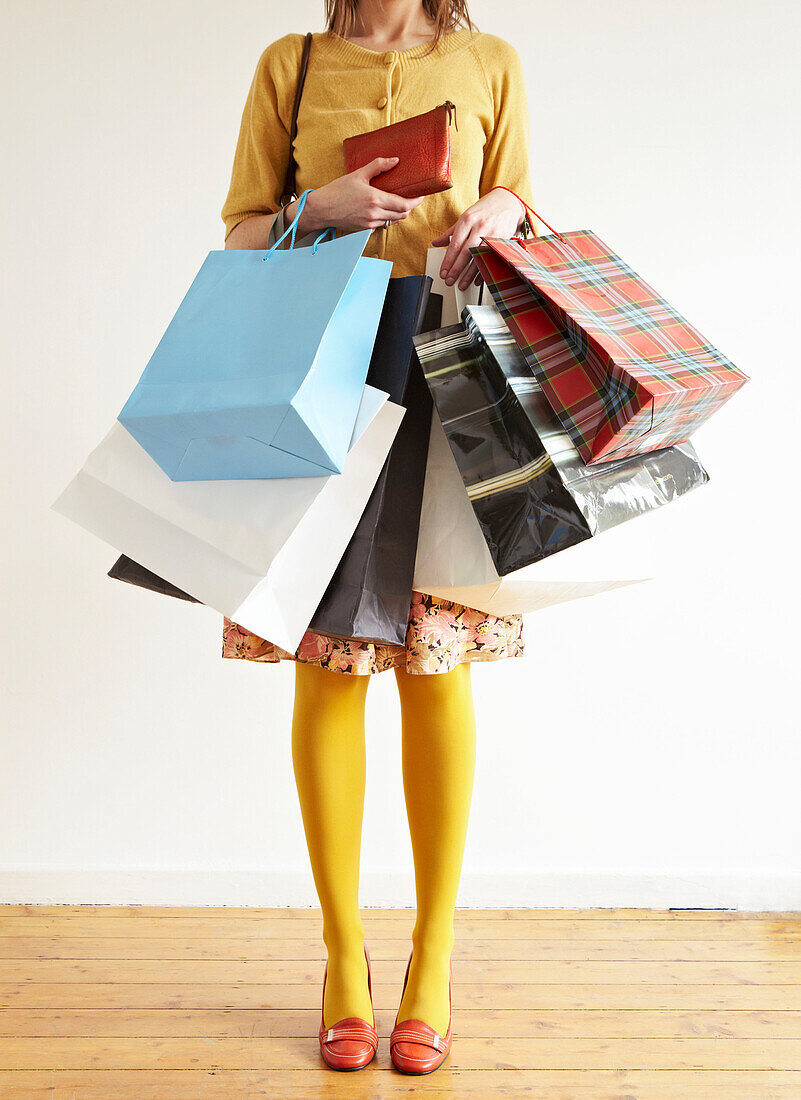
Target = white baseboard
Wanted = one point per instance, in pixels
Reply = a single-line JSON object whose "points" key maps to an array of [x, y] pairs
{"points": [[768, 891]]}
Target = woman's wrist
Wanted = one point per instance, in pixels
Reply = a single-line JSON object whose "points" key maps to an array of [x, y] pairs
{"points": [[311, 218], [523, 211], [515, 203]]}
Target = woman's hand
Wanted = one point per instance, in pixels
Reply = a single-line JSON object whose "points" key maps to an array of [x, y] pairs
{"points": [[496, 214], [351, 202]]}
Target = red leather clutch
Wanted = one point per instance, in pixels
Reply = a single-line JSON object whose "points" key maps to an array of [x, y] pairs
{"points": [[423, 144]]}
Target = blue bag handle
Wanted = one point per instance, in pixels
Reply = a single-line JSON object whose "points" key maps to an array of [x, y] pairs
{"points": [[324, 233], [293, 228]]}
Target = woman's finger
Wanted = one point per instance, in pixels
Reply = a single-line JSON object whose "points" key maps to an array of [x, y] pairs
{"points": [[450, 261], [387, 201], [381, 223], [469, 275], [376, 167], [463, 258], [379, 214], [443, 238]]}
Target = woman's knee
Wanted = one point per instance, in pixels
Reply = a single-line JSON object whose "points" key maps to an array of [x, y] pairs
{"points": [[317, 686], [435, 691]]}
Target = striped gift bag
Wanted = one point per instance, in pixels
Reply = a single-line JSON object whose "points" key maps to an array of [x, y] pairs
{"points": [[623, 370], [531, 493], [524, 511]]}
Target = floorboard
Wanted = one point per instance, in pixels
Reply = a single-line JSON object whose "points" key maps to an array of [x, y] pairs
{"points": [[152, 1003]]}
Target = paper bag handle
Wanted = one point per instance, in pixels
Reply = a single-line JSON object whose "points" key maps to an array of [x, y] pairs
{"points": [[293, 228]]}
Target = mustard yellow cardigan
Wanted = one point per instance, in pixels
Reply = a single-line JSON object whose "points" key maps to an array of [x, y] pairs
{"points": [[350, 89]]}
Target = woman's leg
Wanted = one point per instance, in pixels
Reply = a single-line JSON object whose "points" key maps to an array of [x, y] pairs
{"points": [[439, 750], [328, 757]]}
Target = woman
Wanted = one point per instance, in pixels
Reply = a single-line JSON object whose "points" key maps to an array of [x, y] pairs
{"points": [[378, 62]]}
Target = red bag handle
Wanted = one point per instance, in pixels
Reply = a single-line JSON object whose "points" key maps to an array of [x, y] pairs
{"points": [[530, 209]]}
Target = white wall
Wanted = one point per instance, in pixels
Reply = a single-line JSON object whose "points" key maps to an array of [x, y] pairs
{"points": [[647, 750]]}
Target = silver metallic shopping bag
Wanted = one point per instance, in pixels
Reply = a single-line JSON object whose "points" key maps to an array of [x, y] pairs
{"points": [[530, 491]]}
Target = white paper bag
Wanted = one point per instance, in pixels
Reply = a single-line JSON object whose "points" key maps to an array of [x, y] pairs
{"points": [[453, 299], [454, 562], [261, 551]]}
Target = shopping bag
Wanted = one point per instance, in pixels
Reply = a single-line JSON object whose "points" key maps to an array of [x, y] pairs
{"points": [[259, 551], [532, 494], [371, 591], [453, 298], [607, 493], [124, 569], [624, 371], [261, 370], [454, 562], [523, 509]]}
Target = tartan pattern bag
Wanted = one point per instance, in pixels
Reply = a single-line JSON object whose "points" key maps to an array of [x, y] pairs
{"points": [[607, 493], [519, 467], [623, 370]]}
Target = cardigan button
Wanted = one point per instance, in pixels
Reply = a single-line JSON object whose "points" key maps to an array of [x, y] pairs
{"points": [[382, 102]]}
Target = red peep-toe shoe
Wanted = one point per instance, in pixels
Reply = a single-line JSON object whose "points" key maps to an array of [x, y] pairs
{"points": [[351, 1043], [414, 1046]]}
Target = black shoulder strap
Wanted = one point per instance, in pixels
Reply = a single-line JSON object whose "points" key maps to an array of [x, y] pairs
{"points": [[291, 168]]}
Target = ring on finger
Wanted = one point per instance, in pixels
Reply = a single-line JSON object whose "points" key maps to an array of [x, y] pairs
{"points": [[387, 223]]}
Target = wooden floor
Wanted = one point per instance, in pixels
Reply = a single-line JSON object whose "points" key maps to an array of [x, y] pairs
{"points": [[101, 1003]]}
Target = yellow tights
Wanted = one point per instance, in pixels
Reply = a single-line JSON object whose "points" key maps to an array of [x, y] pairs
{"points": [[328, 755]]}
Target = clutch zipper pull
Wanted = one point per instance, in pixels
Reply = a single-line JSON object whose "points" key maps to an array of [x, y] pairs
{"points": [[451, 112]]}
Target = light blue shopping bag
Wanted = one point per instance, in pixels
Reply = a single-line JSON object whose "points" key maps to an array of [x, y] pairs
{"points": [[261, 370]]}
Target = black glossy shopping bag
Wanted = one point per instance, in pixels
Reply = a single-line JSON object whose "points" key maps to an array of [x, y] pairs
{"points": [[125, 569], [370, 593]]}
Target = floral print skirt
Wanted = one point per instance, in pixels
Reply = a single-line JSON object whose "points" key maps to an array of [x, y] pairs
{"points": [[440, 635]]}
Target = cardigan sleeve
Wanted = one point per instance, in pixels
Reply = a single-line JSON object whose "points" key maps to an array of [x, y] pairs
{"points": [[506, 151], [262, 149]]}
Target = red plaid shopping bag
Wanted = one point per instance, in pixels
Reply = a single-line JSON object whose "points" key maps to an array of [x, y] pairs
{"points": [[622, 369]]}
